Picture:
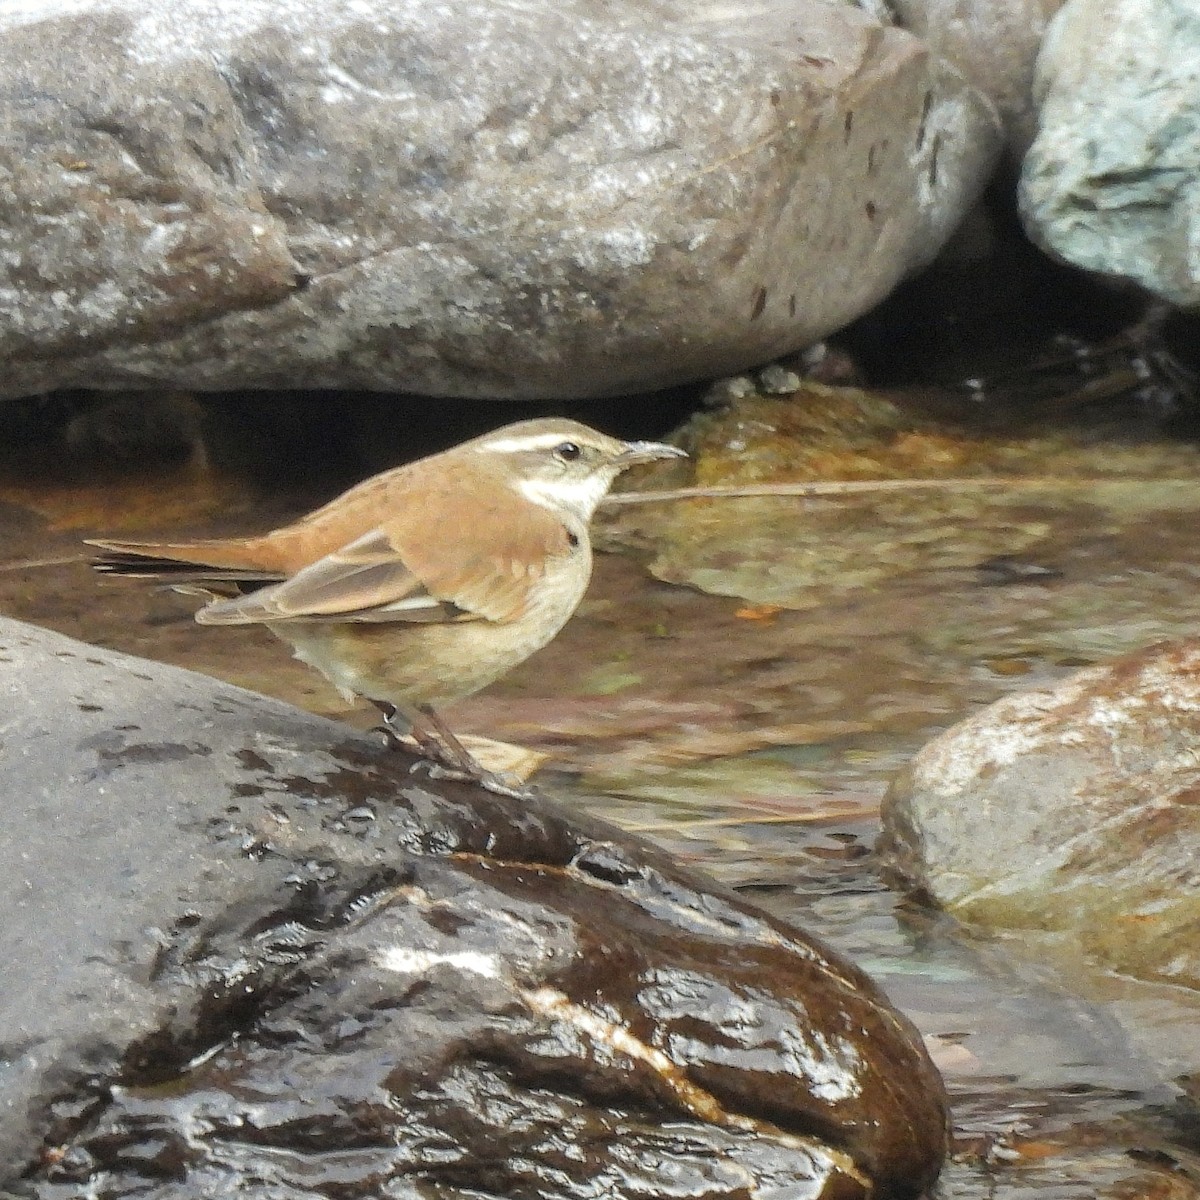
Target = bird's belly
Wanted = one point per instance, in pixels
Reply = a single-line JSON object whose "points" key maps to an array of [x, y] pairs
{"points": [[411, 663]]}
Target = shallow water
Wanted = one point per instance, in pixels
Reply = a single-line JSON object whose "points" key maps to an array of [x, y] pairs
{"points": [[754, 733]]}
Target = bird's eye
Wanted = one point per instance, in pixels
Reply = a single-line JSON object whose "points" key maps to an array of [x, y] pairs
{"points": [[568, 451]]}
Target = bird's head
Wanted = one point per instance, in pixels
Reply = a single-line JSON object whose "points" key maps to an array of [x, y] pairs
{"points": [[563, 465]]}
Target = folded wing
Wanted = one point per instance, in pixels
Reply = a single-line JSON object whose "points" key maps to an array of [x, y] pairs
{"points": [[364, 581]]}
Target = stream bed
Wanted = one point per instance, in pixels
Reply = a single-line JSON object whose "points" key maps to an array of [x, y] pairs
{"points": [[740, 684]]}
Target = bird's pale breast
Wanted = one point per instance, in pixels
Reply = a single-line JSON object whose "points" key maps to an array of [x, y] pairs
{"points": [[410, 663]]}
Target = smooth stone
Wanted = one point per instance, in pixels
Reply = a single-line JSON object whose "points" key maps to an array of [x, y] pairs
{"points": [[1110, 183], [247, 948], [994, 43], [484, 198], [1073, 808]]}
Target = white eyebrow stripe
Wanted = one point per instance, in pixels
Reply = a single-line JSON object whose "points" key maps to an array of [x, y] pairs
{"points": [[531, 441]]}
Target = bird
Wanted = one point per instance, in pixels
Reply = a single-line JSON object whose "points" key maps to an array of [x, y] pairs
{"points": [[421, 585]]}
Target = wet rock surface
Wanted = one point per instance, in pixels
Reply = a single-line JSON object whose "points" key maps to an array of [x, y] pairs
{"points": [[305, 970], [475, 199], [1072, 809], [1108, 183]]}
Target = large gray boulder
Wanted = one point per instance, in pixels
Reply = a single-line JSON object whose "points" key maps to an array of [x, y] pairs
{"points": [[479, 198], [1111, 182], [246, 953]]}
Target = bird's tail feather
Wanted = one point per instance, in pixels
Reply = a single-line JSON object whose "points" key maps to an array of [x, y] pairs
{"points": [[187, 573]]}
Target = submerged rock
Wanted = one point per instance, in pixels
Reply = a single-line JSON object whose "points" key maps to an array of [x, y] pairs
{"points": [[482, 198], [803, 552], [1075, 808], [249, 953]]}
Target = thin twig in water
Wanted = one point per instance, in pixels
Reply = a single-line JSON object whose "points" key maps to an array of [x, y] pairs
{"points": [[27, 564], [804, 818], [738, 491]]}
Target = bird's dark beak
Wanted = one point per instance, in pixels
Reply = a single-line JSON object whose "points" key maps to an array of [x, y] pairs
{"points": [[643, 452]]}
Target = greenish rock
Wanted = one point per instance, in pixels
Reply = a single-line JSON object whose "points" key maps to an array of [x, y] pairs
{"points": [[1110, 182], [1074, 809]]}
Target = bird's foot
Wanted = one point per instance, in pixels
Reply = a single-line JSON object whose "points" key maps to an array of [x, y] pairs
{"points": [[490, 781], [504, 785], [443, 756]]}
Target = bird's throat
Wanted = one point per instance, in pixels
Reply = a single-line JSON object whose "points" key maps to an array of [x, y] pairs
{"points": [[576, 498]]}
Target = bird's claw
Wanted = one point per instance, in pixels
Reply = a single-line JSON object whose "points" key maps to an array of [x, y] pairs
{"points": [[495, 783], [435, 770], [391, 739], [437, 761]]}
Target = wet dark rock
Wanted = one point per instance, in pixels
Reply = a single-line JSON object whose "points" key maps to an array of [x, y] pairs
{"points": [[477, 199], [248, 953], [1075, 808]]}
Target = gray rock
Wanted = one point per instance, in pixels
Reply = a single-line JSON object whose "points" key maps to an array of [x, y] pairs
{"points": [[1073, 808], [1110, 184], [994, 43], [482, 198], [244, 947], [779, 381]]}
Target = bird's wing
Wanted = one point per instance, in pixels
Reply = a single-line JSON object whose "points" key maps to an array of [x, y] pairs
{"points": [[364, 581], [485, 561], [414, 568]]}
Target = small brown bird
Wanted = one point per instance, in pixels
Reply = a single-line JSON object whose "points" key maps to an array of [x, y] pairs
{"points": [[421, 585]]}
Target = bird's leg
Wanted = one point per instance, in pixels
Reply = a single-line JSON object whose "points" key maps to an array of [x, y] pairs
{"points": [[396, 725], [445, 757], [393, 727], [453, 752], [457, 762]]}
